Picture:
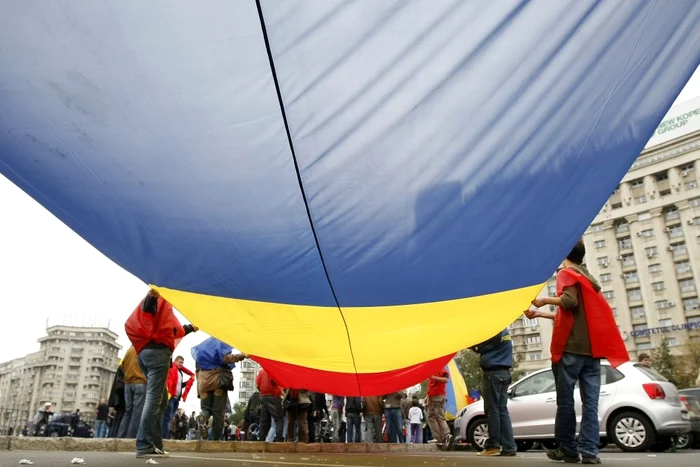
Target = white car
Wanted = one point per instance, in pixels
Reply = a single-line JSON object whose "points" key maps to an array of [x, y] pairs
{"points": [[638, 410]]}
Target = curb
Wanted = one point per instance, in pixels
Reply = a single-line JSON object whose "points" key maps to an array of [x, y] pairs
{"points": [[12, 443]]}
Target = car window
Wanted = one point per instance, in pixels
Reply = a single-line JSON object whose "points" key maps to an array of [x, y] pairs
{"points": [[536, 384], [608, 375], [691, 392], [650, 373]]}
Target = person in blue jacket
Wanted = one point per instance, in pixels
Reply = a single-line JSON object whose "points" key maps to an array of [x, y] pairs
{"points": [[214, 362], [496, 360]]}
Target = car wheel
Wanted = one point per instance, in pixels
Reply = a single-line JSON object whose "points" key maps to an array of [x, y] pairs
{"points": [[662, 445], [524, 445], [632, 432], [478, 433], [685, 441]]}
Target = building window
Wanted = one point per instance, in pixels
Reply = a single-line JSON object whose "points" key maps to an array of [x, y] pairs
{"points": [[651, 251], [672, 341], [695, 202], [694, 221], [664, 323], [603, 261], [691, 185], [646, 233], [644, 216], [533, 340], [614, 311], [627, 260], [644, 346], [686, 169], [552, 290], [622, 226], [639, 183], [695, 321], [662, 304], [654, 268], [683, 267], [638, 312], [624, 243], [616, 205], [631, 277], [634, 295], [671, 213], [597, 228], [661, 176], [665, 192], [605, 277], [639, 327], [535, 356], [679, 249], [690, 304], [687, 285], [529, 322], [675, 231], [640, 199], [609, 294], [601, 243], [658, 286]]}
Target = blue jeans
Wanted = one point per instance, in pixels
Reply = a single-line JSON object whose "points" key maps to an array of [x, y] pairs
{"points": [[353, 428], [495, 395], [394, 423], [134, 397], [586, 371], [170, 411], [100, 429], [155, 364]]}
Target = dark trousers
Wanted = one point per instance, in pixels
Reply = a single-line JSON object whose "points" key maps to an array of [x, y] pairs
{"points": [[495, 394], [271, 410], [567, 372], [297, 418], [214, 405]]}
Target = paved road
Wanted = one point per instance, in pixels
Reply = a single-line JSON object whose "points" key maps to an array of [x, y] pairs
{"points": [[451, 459]]}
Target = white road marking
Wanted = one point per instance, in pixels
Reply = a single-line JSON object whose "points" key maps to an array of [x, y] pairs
{"points": [[260, 461]]}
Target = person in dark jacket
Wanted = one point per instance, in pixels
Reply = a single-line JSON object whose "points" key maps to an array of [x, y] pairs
{"points": [[251, 416], [117, 402], [496, 361], [353, 411]]}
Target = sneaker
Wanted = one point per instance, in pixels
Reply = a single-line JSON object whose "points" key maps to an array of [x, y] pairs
{"points": [[490, 452], [559, 455], [591, 460], [159, 453], [432, 441], [449, 442], [508, 454]]}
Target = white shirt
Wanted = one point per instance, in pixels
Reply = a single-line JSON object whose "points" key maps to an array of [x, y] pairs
{"points": [[415, 415], [178, 391]]}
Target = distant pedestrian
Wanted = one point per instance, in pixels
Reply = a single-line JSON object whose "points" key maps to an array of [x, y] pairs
{"points": [[101, 418], [415, 417], [437, 392], [134, 394]]}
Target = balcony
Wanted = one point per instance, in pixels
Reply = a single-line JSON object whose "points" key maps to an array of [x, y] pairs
{"points": [[671, 216]]}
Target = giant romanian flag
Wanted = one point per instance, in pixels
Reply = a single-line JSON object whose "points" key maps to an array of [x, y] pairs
{"points": [[349, 192]]}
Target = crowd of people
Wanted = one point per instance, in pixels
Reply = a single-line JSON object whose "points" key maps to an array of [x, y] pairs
{"points": [[149, 385]]}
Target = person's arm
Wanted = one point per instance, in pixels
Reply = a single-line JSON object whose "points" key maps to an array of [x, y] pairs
{"points": [[230, 358], [439, 379]]}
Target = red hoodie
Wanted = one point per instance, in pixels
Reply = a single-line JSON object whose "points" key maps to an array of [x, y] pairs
{"points": [[266, 385], [603, 332], [161, 327], [173, 378]]}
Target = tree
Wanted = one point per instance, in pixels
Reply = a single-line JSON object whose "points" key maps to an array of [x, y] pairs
{"points": [[664, 361], [518, 373], [468, 364], [238, 413], [687, 366]]}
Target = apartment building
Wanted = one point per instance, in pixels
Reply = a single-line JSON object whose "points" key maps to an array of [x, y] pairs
{"points": [[246, 384], [644, 246], [73, 369]]}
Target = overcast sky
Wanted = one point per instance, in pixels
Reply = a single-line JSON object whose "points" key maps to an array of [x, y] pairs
{"points": [[49, 272]]}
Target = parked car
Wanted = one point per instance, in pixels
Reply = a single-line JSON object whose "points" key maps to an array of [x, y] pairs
{"points": [[690, 398], [638, 410], [62, 425]]}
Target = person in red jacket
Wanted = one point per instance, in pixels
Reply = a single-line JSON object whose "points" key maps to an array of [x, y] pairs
{"points": [[584, 332], [270, 393], [178, 389], [154, 332]]}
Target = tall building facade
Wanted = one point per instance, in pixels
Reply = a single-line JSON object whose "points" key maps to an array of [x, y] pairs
{"points": [[644, 246], [73, 369], [246, 384]]}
